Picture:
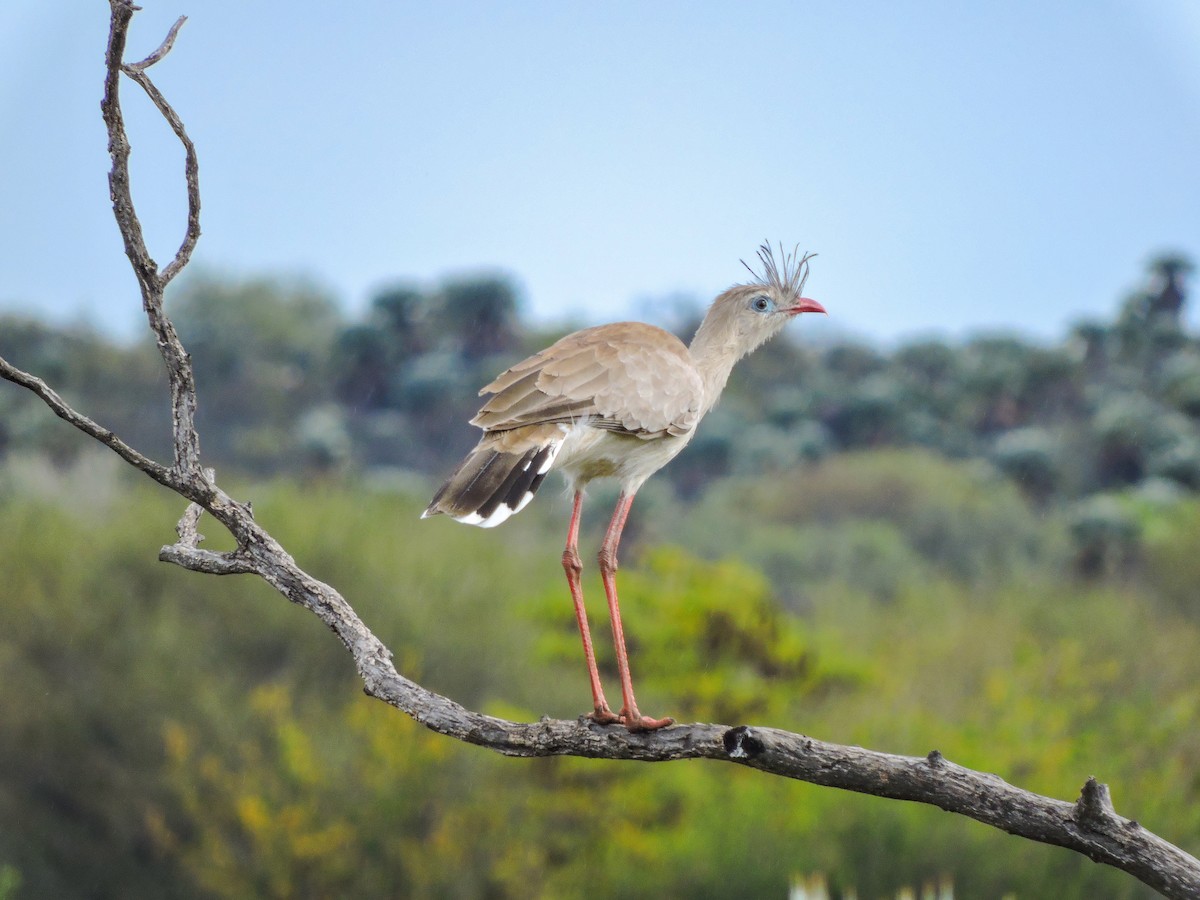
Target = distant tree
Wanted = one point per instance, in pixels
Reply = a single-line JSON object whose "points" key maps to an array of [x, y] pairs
{"points": [[1090, 340], [709, 456], [402, 311], [872, 415], [993, 382], [853, 361], [363, 364], [1149, 326], [1052, 387], [434, 383], [479, 314], [264, 347], [323, 439], [1029, 456], [1124, 427], [1178, 459], [930, 367], [119, 382], [1106, 537], [1179, 381], [367, 355], [1167, 294], [240, 324]]}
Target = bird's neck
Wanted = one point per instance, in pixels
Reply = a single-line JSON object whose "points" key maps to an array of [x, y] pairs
{"points": [[714, 352]]}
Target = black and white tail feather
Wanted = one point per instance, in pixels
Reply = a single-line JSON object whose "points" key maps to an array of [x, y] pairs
{"points": [[492, 484]]}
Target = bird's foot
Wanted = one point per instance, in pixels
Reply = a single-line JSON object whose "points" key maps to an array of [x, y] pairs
{"points": [[602, 715], [636, 722]]}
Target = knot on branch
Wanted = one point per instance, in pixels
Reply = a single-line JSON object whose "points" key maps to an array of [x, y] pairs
{"points": [[1094, 806], [742, 743], [935, 759]]}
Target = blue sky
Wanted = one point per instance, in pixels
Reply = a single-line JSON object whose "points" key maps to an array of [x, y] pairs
{"points": [[958, 167]]}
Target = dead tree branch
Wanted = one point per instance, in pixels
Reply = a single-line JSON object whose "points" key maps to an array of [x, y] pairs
{"points": [[151, 282], [1089, 826]]}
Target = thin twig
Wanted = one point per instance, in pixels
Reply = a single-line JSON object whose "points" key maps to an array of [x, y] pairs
{"points": [[163, 49], [206, 561], [64, 411], [191, 169]]}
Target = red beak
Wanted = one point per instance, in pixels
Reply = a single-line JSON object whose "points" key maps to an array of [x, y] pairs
{"points": [[803, 305]]}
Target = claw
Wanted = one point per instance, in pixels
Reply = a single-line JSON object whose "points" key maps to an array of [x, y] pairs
{"points": [[637, 723], [604, 716]]}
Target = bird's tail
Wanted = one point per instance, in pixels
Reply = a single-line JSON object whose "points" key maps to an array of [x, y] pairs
{"points": [[494, 482]]}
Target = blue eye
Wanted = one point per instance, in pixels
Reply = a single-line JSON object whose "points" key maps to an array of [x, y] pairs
{"points": [[761, 304]]}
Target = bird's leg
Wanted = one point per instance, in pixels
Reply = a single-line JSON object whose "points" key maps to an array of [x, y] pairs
{"points": [[633, 719], [573, 566]]}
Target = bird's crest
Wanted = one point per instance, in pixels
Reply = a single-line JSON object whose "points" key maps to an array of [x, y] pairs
{"points": [[788, 275]]}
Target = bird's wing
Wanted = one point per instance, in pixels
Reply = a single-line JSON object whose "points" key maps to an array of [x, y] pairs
{"points": [[626, 377]]}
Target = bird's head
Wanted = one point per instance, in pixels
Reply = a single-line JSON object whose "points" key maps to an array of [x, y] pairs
{"points": [[746, 315]]}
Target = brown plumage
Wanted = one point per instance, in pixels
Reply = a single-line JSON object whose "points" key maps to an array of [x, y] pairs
{"points": [[614, 401]]}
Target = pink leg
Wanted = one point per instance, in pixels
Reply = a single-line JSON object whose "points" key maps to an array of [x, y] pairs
{"points": [[573, 566], [633, 719]]}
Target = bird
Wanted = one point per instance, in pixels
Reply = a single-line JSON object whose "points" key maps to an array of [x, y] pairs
{"points": [[615, 401]]}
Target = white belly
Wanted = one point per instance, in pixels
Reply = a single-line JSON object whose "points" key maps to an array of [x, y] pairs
{"points": [[589, 453]]}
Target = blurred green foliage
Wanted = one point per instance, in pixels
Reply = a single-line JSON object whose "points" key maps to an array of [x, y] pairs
{"points": [[174, 735], [985, 548]]}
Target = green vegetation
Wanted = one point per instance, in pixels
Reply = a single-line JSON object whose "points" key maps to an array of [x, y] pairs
{"points": [[168, 734], [986, 549]]}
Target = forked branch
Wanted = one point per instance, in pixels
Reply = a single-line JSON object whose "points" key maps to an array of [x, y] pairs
{"points": [[1089, 826], [151, 282]]}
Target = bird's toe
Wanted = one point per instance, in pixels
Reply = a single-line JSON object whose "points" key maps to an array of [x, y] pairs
{"points": [[638, 723], [604, 716]]}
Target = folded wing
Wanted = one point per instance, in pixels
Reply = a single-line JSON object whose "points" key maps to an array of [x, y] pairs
{"points": [[627, 377]]}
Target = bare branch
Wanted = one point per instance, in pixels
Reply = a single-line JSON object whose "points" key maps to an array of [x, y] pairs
{"points": [[145, 269], [188, 528], [60, 408], [163, 49], [191, 175], [1089, 826], [187, 553], [206, 561], [150, 282], [136, 71]]}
